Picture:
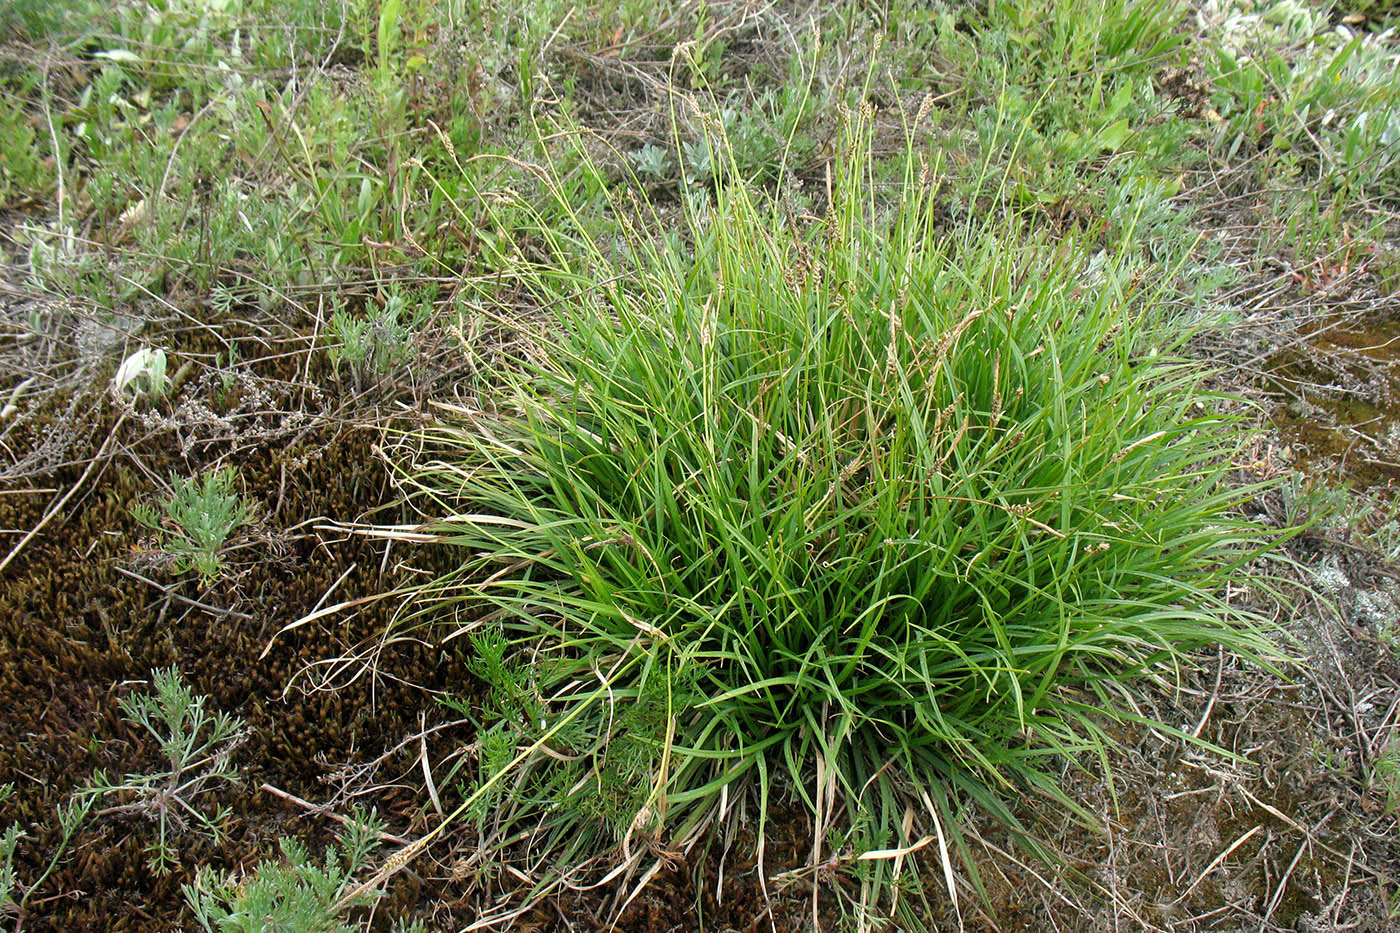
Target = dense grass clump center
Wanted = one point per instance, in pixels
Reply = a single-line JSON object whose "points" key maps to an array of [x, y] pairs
{"points": [[849, 508]]}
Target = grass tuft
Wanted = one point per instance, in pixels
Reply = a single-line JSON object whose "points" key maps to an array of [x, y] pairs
{"points": [[854, 511]]}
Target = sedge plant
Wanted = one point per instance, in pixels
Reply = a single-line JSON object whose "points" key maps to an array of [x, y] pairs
{"points": [[853, 511]]}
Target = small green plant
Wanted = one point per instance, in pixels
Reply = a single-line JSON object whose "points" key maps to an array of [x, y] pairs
{"points": [[197, 521], [1384, 523], [1327, 756], [749, 142], [699, 165], [143, 373], [349, 339], [198, 748], [381, 340], [227, 366], [9, 841], [1385, 774], [295, 893], [22, 172], [15, 895], [653, 161], [1309, 502], [223, 299]]}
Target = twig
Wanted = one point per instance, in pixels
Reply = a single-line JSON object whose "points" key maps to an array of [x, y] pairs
{"points": [[169, 591], [1214, 693], [324, 811], [1216, 862], [1307, 834], [427, 766], [1283, 882], [58, 506], [57, 149]]}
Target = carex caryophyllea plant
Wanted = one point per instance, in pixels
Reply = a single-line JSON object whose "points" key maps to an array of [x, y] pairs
{"points": [[833, 501]]}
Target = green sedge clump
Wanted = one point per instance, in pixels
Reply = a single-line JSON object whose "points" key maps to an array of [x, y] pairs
{"points": [[850, 509]]}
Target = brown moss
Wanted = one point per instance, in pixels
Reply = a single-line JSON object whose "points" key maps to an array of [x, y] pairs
{"points": [[73, 629]]}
